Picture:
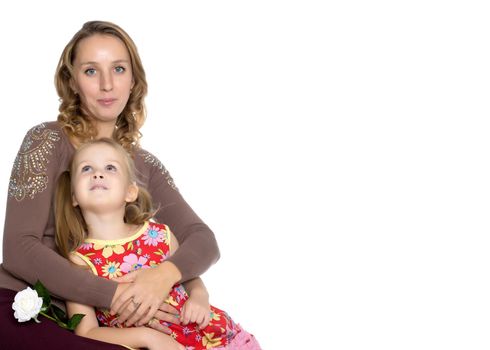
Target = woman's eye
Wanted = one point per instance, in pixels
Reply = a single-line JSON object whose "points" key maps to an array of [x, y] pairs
{"points": [[86, 168], [119, 69], [90, 71], [110, 167]]}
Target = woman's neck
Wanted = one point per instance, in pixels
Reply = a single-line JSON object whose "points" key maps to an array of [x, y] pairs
{"points": [[104, 129]]}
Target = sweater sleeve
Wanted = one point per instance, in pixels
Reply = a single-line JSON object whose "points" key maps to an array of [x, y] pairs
{"points": [[28, 241], [198, 249]]}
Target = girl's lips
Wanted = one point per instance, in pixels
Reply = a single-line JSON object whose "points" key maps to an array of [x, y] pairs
{"points": [[98, 187]]}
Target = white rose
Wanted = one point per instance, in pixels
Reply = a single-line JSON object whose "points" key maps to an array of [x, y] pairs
{"points": [[27, 305]]}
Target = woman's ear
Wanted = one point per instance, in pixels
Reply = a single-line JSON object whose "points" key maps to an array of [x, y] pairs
{"points": [[73, 86], [132, 193]]}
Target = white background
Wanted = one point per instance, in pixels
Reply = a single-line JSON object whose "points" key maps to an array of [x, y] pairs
{"points": [[339, 150]]}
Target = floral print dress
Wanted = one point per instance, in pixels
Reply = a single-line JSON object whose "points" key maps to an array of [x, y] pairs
{"points": [[146, 249]]}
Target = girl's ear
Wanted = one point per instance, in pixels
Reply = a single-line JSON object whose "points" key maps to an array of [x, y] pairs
{"points": [[132, 193], [74, 201]]}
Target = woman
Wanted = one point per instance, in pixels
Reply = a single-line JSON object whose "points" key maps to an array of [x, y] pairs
{"points": [[101, 84]]}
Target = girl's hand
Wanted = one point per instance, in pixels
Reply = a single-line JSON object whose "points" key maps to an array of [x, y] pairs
{"points": [[196, 310], [165, 313], [144, 296]]}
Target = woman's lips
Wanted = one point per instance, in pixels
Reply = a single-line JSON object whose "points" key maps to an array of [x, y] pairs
{"points": [[106, 101]]}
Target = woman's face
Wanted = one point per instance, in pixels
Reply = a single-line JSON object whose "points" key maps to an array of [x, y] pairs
{"points": [[102, 76]]}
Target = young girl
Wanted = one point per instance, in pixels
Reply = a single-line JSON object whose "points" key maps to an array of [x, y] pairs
{"points": [[102, 222]]}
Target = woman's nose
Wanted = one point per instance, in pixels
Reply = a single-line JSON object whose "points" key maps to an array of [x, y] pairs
{"points": [[106, 82], [98, 176]]}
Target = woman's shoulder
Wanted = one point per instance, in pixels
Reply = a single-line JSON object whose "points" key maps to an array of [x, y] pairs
{"points": [[47, 134], [146, 157], [46, 139], [47, 125], [145, 160], [41, 157]]}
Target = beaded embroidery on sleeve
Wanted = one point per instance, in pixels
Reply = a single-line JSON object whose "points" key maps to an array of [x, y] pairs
{"points": [[151, 159], [29, 173]]}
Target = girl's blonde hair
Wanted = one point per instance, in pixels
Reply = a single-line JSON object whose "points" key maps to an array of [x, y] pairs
{"points": [[71, 227], [73, 118]]}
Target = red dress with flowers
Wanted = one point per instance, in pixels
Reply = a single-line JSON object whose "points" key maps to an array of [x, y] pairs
{"points": [[145, 249]]}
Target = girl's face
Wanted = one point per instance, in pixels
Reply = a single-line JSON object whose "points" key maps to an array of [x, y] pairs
{"points": [[100, 180], [103, 77]]}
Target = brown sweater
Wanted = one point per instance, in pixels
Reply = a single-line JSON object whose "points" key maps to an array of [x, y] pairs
{"points": [[28, 240]]}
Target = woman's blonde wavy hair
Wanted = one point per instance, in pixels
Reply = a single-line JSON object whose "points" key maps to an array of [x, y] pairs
{"points": [[71, 227], [73, 118]]}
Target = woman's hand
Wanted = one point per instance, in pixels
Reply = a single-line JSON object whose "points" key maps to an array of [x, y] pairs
{"points": [[139, 302], [196, 310]]}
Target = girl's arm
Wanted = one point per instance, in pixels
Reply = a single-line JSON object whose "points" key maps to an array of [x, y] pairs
{"points": [[136, 337], [196, 309], [28, 240]]}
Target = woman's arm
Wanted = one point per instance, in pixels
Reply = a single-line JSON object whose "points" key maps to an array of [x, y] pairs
{"points": [[198, 246], [28, 241]]}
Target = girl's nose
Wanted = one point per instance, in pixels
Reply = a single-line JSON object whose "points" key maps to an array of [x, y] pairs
{"points": [[98, 176]]}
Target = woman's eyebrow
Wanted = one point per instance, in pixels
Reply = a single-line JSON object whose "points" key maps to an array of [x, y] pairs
{"points": [[95, 63]]}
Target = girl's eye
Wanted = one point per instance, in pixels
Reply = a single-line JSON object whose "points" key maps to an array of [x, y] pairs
{"points": [[86, 168], [110, 167], [119, 69], [90, 71]]}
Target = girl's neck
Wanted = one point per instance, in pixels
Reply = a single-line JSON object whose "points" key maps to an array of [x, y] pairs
{"points": [[108, 227]]}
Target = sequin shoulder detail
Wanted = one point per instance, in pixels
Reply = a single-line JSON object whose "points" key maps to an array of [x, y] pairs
{"points": [[29, 173], [155, 162]]}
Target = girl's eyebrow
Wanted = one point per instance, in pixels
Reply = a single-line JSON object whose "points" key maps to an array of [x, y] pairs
{"points": [[87, 161]]}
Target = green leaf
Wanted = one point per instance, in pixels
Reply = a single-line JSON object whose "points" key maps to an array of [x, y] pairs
{"points": [[74, 321], [43, 293], [59, 314]]}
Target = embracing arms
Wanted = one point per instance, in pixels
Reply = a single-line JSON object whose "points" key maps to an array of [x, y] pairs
{"points": [[196, 309], [134, 337]]}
